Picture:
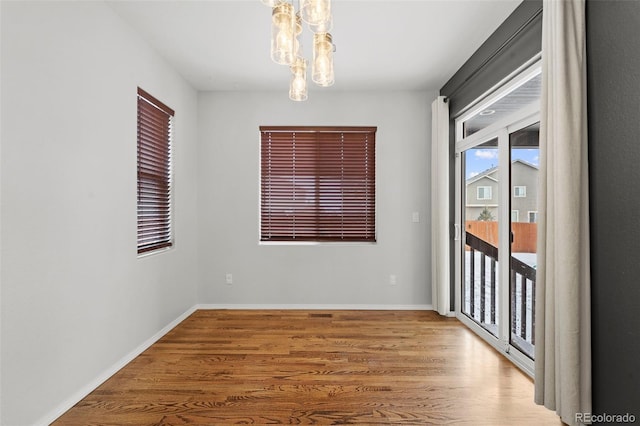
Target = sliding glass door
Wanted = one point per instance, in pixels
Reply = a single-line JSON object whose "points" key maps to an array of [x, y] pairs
{"points": [[496, 213]]}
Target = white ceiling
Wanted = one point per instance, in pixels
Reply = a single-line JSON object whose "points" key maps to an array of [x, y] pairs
{"points": [[380, 45]]}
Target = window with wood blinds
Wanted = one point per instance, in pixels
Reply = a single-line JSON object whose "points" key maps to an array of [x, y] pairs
{"points": [[318, 184], [154, 173]]}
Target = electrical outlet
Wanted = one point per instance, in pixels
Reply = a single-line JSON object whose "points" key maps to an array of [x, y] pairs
{"points": [[229, 278], [392, 280]]}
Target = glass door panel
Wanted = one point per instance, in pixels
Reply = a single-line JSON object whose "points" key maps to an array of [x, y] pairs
{"points": [[524, 152], [481, 215]]}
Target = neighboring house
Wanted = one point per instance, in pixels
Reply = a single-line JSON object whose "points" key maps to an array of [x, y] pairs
{"points": [[482, 193]]}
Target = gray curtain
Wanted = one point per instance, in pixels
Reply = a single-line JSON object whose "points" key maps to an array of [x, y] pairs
{"points": [[563, 328]]}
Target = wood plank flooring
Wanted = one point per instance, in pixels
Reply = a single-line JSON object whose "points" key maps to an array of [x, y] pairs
{"points": [[315, 367]]}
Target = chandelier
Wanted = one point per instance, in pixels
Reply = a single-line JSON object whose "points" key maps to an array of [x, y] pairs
{"points": [[286, 27]]}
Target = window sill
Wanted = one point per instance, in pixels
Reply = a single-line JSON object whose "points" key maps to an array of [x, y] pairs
{"points": [[317, 243], [154, 252]]}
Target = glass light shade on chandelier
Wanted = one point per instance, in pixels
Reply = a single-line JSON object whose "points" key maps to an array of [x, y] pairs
{"points": [[323, 27], [298, 87], [315, 12], [322, 70], [283, 34]]}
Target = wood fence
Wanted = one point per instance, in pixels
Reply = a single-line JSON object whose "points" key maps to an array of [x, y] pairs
{"points": [[524, 234]]}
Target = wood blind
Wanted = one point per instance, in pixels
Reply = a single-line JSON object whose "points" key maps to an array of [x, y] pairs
{"points": [[154, 173], [318, 184]]}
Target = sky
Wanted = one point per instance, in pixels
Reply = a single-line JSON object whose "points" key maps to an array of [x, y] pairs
{"points": [[481, 159]]}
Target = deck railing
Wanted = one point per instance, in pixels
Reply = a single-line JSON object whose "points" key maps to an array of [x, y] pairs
{"points": [[483, 258]]}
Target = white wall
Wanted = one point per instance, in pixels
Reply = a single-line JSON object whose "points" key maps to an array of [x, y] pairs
{"points": [[322, 274], [75, 297]]}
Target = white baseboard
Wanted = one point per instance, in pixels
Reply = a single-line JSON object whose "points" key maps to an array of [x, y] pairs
{"points": [[328, 307], [92, 385]]}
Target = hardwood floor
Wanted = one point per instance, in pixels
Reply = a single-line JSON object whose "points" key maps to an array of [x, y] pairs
{"points": [[324, 367]]}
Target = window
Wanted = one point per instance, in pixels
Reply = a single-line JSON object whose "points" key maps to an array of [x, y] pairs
{"points": [[515, 215], [484, 193], [317, 184], [154, 173], [533, 217], [519, 191]]}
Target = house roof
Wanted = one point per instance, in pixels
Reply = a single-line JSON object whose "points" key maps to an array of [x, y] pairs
{"points": [[488, 172]]}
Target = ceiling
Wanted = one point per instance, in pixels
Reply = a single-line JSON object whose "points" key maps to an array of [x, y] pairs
{"points": [[380, 45], [525, 94]]}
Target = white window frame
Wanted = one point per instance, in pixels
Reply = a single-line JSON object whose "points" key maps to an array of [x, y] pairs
{"points": [[517, 215], [522, 193], [529, 216], [525, 117], [485, 188]]}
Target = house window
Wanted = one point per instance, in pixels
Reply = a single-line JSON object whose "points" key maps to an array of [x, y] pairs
{"points": [[317, 184], [154, 173], [515, 215], [519, 191], [533, 217], [484, 193]]}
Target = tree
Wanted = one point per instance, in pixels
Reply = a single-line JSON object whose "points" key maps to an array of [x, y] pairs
{"points": [[486, 215]]}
